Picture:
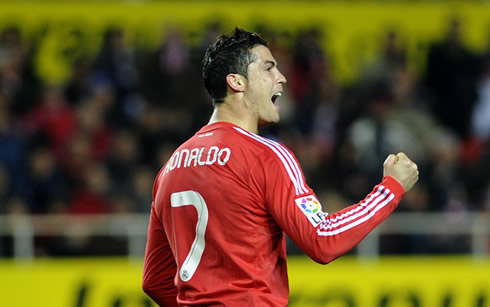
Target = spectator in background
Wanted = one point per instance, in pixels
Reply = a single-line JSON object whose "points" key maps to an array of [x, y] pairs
{"points": [[12, 145], [151, 132], [79, 86], [93, 124], [12, 57], [376, 134], [17, 73], [477, 162], [142, 182], [78, 159], [92, 195], [123, 160], [451, 77], [165, 69], [481, 112], [5, 189], [437, 148], [486, 198], [53, 119], [167, 85], [309, 72], [115, 65], [44, 183]]}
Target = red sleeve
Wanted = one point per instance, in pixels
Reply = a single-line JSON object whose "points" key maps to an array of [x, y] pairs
{"points": [[341, 231], [159, 267], [296, 209]]}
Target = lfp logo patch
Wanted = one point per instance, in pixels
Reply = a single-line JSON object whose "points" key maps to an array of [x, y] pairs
{"points": [[311, 208]]}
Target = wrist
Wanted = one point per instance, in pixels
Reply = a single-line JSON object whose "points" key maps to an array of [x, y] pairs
{"points": [[395, 186]]}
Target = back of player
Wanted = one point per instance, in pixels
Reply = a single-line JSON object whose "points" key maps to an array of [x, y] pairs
{"points": [[227, 246], [221, 204]]}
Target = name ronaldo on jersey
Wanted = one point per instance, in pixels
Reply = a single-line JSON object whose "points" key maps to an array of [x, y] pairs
{"points": [[198, 157]]}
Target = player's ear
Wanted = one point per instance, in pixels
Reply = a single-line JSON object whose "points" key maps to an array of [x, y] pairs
{"points": [[236, 82]]}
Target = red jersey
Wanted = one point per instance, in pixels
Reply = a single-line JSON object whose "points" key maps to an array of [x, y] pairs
{"points": [[221, 205]]}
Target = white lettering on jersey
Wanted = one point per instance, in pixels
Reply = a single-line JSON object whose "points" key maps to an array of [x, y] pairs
{"points": [[195, 157], [201, 163], [223, 159], [311, 208], [173, 162], [212, 155], [186, 152]]}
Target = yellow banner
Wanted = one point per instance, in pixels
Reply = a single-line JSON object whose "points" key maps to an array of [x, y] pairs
{"points": [[346, 282], [353, 32], [391, 282]]}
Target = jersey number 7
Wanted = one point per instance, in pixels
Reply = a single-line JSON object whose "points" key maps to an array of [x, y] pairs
{"points": [[192, 198]]}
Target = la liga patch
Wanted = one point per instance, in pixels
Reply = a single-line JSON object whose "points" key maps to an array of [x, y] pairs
{"points": [[311, 208]]}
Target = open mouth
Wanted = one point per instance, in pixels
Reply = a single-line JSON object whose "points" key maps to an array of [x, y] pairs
{"points": [[275, 96]]}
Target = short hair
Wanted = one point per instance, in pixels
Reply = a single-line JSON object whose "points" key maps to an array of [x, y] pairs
{"points": [[230, 54]]}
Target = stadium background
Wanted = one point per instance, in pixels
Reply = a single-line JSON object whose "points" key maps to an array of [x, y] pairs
{"points": [[60, 43]]}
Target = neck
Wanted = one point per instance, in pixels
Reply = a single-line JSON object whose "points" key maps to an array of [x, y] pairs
{"points": [[231, 111]]}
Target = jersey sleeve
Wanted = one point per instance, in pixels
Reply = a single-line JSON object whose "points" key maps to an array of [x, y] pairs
{"points": [[159, 265], [297, 210]]}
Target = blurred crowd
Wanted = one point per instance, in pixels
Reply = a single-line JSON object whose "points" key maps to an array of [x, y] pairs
{"points": [[95, 143]]}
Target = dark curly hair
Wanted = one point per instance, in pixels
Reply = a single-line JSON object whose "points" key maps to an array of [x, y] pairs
{"points": [[230, 54]]}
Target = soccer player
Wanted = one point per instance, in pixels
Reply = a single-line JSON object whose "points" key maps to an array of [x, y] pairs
{"points": [[225, 199]]}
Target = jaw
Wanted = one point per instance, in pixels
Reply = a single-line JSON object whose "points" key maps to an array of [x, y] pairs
{"points": [[263, 109], [271, 118]]}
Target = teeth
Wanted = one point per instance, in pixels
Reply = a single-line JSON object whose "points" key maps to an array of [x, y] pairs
{"points": [[275, 96]]}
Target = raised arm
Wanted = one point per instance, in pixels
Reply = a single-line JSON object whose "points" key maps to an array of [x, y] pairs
{"points": [[324, 237]]}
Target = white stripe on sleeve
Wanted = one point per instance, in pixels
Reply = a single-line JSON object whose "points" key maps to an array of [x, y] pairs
{"points": [[358, 215]]}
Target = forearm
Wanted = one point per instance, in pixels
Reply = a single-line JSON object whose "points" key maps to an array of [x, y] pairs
{"points": [[341, 231]]}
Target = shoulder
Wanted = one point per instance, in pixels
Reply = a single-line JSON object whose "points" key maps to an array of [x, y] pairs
{"points": [[268, 147], [278, 159]]}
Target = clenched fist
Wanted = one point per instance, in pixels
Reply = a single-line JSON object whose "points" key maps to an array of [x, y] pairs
{"points": [[402, 169]]}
